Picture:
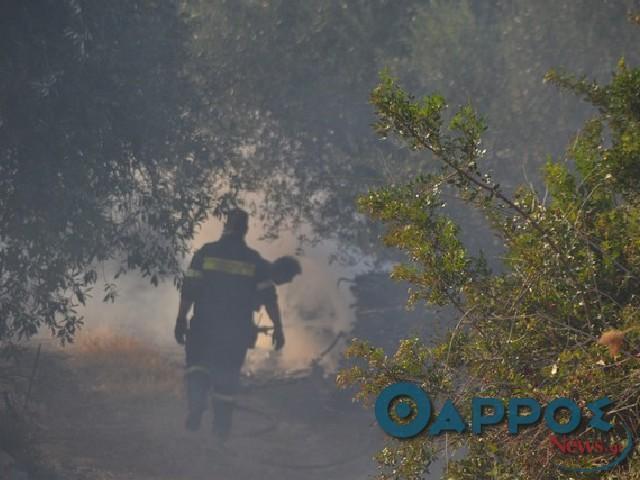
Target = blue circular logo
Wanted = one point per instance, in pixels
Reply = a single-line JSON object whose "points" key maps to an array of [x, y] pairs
{"points": [[407, 393]]}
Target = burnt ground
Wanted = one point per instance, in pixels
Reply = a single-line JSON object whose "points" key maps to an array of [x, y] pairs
{"points": [[114, 409]]}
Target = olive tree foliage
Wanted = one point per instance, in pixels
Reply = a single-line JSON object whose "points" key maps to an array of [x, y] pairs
{"points": [[561, 319], [122, 124], [100, 159]]}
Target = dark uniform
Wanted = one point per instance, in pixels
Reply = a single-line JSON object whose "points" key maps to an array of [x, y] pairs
{"points": [[222, 282]]}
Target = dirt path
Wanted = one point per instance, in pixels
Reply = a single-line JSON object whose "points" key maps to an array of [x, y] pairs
{"points": [[116, 412]]}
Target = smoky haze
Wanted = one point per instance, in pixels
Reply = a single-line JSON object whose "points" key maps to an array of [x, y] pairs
{"points": [[126, 125], [315, 309]]}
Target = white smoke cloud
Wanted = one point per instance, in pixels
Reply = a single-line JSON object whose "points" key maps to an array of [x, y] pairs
{"points": [[314, 309]]}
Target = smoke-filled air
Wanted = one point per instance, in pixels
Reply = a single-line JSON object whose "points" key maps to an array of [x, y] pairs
{"points": [[329, 240]]}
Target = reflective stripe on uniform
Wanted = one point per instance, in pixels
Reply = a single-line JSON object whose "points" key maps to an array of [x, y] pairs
{"points": [[234, 267], [264, 285], [197, 369], [192, 273]]}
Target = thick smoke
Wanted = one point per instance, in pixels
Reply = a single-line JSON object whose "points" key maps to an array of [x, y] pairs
{"points": [[314, 309]]}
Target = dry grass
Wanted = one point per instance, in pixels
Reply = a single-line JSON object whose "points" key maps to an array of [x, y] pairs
{"points": [[121, 364]]}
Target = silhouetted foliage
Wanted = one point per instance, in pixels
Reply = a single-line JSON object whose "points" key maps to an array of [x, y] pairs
{"points": [[100, 158]]}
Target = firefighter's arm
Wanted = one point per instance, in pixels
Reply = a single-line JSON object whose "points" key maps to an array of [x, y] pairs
{"points": [[186, 302], [267, 296], [274, 314], [190, 283]]}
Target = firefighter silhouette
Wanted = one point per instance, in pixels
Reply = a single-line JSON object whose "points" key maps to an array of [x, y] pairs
{"points": [[226, 281]]}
